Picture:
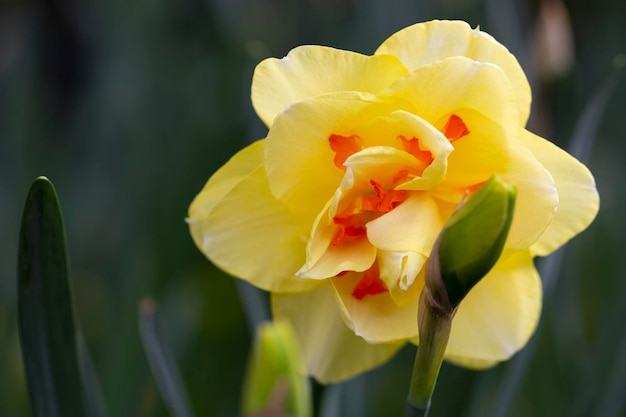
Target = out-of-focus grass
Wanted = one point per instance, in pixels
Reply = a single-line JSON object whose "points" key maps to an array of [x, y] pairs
{"points": [[129, 108]]}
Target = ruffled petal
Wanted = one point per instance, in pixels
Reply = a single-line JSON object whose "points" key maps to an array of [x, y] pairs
{"points": [[412, 226], [355, 255], [224, 179], [499, 315], [579, 201], [440, 89], [377, 318], [298, 157], [425, 43], [396, 131], [331, 350], [399, 270], [236, 214], [309, 71], [490, 149]]}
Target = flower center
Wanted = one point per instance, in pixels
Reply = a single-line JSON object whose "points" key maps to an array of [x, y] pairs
{"points": [[455, 128], [345, 146], [364, 209], [369, 284], [381, 196]]}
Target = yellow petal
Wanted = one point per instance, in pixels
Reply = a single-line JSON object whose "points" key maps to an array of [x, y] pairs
{"points": [[377, 318], [440, 89], [425, 43], [491, 149], [355, 255], [578, 198], [413, 226], [237, 223], [298, 157], [399, 270], [499, 315], [324, 260], [309, 71], [225, 178], [331, 350], [386, 131]]}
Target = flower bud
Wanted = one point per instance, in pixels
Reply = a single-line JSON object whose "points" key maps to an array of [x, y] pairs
{"points": [[276, 384], [472, 240]]}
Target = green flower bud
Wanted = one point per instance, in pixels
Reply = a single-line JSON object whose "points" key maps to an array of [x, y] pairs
{"points": [[472, 240], [276, 383]]}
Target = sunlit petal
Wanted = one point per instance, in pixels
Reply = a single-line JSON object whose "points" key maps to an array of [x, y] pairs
{"points": [[272, 238], [454, 84], [299, 160], [425, 43], [309, 71], [412, 226], [492, 149], [578, 198]]}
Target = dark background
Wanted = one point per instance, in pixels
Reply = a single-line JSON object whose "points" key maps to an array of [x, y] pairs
{"points": [[129, 106]]}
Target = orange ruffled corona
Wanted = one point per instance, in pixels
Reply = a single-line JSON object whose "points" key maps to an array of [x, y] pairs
{"points": [[336, 211]]}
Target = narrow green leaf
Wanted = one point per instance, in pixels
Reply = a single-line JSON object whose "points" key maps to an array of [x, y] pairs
{"points": [[164, 369], [339, 399], [94, 400], [45, 313]]}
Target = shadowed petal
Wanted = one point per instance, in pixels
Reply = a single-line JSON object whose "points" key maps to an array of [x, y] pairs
{"points": [[331, 350], [377, 318], [499, 314]]}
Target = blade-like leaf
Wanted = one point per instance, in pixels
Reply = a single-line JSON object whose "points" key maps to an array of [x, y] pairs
{"points": [[164, 370], [46, 318]]}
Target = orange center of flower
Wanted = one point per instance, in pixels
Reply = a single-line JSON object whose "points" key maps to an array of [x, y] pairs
{"points": [[455, 128], [366, 208], [369, 284], [352, 220], [344, 146]]}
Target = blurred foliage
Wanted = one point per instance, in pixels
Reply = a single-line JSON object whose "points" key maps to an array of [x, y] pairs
{"points": [[130, 106]]}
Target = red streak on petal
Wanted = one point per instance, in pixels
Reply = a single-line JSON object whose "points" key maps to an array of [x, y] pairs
{"points": [[344, 147], [413, 147], [353, 219], [370, 284], [351, 227], [384, 201], [455, 128], [401, 177]]}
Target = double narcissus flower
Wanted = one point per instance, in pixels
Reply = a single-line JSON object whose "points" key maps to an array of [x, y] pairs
{"points": [[336, 211]]}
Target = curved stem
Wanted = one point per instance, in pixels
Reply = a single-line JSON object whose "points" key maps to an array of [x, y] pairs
{"points": [[434, 330]]}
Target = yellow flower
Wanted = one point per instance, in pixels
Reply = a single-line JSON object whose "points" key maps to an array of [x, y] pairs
{"points": [[337, 209]]}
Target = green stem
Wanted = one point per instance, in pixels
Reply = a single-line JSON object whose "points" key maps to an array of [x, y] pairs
{"points": [[434, 330]]}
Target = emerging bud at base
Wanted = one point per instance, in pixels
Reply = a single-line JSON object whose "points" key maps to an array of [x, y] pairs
{"points": [[465, 251], [276, 384]]}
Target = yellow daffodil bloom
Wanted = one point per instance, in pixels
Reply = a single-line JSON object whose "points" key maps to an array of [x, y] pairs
{"points": [[336, 211]]}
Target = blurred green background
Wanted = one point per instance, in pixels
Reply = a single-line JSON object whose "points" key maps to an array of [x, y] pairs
{"points": [[128, 107]]}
